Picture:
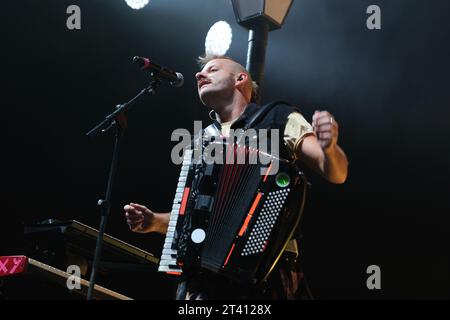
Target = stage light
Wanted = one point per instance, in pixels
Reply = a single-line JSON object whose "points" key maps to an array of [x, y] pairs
{"points": [[218, 39], [137, 4]]}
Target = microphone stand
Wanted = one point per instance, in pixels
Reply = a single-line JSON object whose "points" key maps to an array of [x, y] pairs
{"points": [[116, 120]]}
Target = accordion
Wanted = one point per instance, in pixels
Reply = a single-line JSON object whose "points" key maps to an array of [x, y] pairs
{"points": [[234, 219]]}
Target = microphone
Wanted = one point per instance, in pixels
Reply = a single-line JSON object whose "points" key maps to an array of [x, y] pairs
{"points": [[176, 79]]}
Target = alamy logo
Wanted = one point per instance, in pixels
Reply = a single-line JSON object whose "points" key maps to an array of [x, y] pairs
{"points": [[74, 280], [74, 20], [374, 280], [210, 149], [374, 20]]}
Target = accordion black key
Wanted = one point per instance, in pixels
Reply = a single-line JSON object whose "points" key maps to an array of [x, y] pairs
{"points": [[233, 219]]}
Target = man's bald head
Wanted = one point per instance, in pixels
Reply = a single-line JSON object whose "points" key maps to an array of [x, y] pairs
{"points": [[251, 87]]}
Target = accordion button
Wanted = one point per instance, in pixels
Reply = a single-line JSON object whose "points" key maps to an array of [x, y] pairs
{"points": [[198, 235]]}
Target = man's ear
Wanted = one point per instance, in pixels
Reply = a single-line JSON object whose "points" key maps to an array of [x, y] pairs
{"points": [[241, 84], [242, 76]]}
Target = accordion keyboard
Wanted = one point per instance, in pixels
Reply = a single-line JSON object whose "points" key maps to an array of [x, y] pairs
{"points": [[168, 261]]}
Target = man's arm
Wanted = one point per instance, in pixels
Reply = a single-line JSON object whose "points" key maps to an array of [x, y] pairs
{"points": [[323, 154]]}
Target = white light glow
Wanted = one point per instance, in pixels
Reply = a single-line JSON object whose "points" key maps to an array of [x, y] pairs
{"points": [[218, 39], [137, 4]]}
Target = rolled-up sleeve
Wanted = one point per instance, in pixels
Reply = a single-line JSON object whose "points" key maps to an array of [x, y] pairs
{"points": [[297, 128]]}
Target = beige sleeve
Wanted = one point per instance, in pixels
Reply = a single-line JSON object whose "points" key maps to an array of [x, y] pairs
{"points": [[297, 128]]}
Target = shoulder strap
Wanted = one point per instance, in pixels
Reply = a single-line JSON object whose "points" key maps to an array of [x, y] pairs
{"points": [[261, 113]]}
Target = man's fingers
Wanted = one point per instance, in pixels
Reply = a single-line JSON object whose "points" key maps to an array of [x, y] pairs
{"points": [[135, 218], [139, 207], [130, 209], [327, 128], [319, 114], [325, 135], [316, 115], [325, 120], [134, 223], [131, 212], [324, 127], [134, 208]]}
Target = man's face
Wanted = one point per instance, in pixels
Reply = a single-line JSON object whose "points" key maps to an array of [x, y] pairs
{"points": [[216, 81]]}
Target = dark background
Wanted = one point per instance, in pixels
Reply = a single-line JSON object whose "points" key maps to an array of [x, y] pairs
{"points": [[388, 89]]}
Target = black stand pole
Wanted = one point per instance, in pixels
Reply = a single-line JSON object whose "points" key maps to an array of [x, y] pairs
{"points": [[256, 55], [118, 121]]}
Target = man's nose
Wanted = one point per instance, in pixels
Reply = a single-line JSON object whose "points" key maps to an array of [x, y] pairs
{"points": [[199, 76]]}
